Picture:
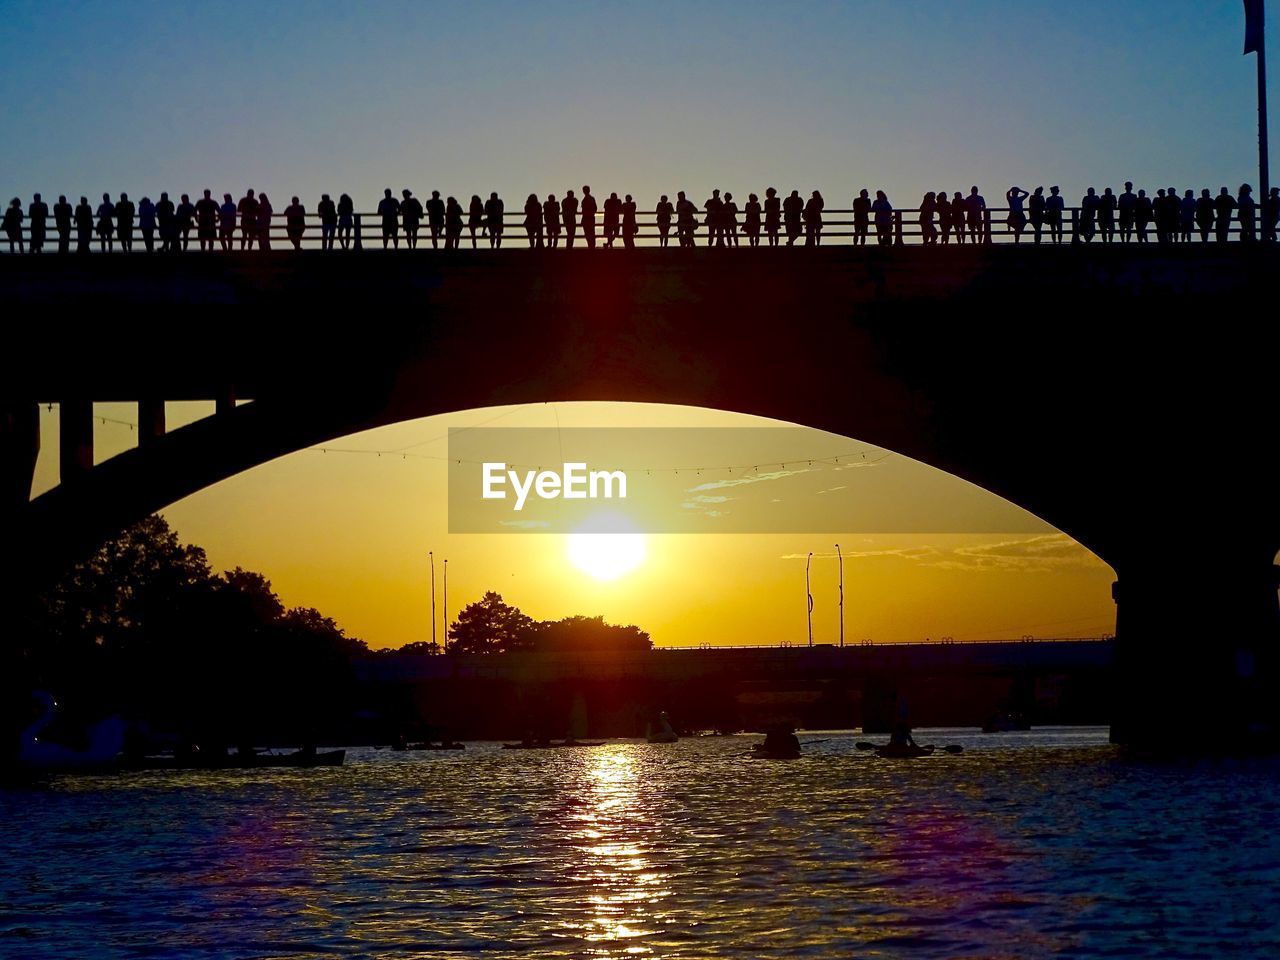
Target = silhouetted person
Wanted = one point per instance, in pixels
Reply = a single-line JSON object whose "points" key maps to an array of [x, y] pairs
{"points": [[453, 214], [1054, 207], [943, 207], [882, 210], [1204, 214], [1224, 206], [207, 221], [752, 219], [1173, 214], [389, 212], [410, 218], [1270, 215], [493, 213], [1160, 210], [1014, 197], [38, 214], [551, 220], [612, 212], [167, 223], [475, 217], [714, 207], [1247, 211], [1107, 206], [346, 219], [295, 222], [435, 217], [772, 215], [106, 224], [665, 211], [265, 213], [1035, 208], [533, 220], [813, 220], [13, 225], [1144, 212], [588, 217], [729, 221], [1126, 204], [227, 223], [793, 216], [569, 216], [1089, 215], [686, 219], [84, 225], [976, 209], [147, 223], [928, 213], [124, 222], [862, 218], [959, 216], [1187, 215], [629, 226], [186, 214], [62, 223], [327, 210]]}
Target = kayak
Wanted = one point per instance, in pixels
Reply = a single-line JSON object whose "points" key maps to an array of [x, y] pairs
{"points": [[904, 752], [760, 753]]}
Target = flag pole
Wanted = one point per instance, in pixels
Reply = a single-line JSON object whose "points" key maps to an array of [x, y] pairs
{"points": [[1264, 167]]}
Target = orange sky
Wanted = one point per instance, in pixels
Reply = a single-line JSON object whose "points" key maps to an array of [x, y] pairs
{"points": [[349, 534]]}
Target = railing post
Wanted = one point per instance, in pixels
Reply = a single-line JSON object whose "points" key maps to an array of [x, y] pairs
{"points": [[357, 243], [986, 225], [897, 228], [1075, 226]]}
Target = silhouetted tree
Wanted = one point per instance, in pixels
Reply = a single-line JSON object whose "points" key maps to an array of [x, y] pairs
{"points": [[490, 625], [576, 634]]}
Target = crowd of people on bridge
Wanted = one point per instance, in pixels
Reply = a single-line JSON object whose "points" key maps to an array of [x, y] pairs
{"points": [[548, 223]]}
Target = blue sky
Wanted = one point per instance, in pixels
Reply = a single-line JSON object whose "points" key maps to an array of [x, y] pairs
{"points": [[650, 97]]}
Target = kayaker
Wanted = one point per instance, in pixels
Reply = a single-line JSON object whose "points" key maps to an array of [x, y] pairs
{"points": [[901, 736], [781, 741]]}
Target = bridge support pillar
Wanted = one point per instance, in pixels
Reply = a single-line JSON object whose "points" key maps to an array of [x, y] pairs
{"points": [[224, 402], [1197, 650], [151, 425], [19, 449], [75, 439]]}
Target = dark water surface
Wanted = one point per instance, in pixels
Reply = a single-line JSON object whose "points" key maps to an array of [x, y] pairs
{"points": [[1036, 844]]}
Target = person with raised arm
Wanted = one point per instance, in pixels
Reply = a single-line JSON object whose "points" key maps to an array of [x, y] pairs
{"points": [[1014, 198]]}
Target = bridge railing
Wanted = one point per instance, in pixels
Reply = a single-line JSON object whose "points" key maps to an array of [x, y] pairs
{"points": [[839, 227]]}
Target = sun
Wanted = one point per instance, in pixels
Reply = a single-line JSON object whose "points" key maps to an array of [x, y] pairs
{"points": [[604, 550]]}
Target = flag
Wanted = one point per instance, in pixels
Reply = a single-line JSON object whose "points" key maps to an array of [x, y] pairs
{"points": [[1253, 26]]}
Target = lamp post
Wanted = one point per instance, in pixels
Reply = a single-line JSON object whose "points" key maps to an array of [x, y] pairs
{"points": [[808, 595], [840, 557], [446, 605], [432, 558]]}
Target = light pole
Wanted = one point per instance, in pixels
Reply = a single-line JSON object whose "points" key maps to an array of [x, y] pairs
{"points": [[446, 605], [1255, 42], [432, 557], [809, 595], [840, 557]]}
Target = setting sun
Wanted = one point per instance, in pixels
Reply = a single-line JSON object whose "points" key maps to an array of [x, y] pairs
{"points": [[606, 556]]}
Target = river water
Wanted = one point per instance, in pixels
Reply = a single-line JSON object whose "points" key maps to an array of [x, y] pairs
{"points": [[1047, 843]]}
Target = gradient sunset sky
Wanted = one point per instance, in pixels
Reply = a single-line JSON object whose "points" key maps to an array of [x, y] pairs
{"points": [[643, 98]]}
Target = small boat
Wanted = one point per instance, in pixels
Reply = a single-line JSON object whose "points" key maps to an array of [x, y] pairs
{"points": [[903, 751], [443, 745], [665, 732], [760, 752], [551, 744]]}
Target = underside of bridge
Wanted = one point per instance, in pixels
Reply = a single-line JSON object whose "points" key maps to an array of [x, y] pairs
{"points": [[1124, 395]]}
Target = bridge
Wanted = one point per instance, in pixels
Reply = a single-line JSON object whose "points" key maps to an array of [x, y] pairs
{"points": [[860, 685], [1122, 393]]}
